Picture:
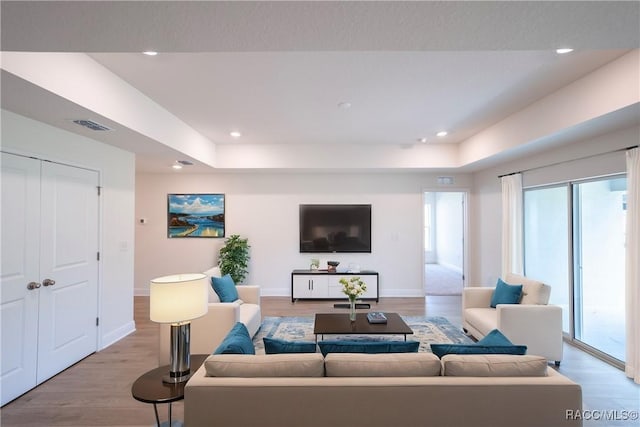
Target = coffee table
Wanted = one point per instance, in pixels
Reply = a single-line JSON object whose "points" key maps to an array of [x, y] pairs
{"points": [[339, 324]]}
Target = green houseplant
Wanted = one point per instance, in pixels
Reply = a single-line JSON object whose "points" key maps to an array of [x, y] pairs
{"points": [[234, 258]]}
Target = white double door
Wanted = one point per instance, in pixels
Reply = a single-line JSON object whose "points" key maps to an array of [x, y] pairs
{"points": [[49, 275]]}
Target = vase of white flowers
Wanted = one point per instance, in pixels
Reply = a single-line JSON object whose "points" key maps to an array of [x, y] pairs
{"points": [[353, 288]]}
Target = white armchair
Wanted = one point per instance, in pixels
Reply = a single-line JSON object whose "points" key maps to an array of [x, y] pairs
{"points": [[533, 322], [207, 332]]}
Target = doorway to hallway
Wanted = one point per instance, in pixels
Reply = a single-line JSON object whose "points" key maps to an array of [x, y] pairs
{"points": [[444, 242]]}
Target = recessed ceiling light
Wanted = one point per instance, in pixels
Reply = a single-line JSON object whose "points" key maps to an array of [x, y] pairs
{"points": [[344, 105], [563, 50], [442, 133], [150, 52], [423, 140], [176, 166], [235, 134]]}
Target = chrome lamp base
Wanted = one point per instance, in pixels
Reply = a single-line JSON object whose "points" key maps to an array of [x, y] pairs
{"points": [[179, 368]]}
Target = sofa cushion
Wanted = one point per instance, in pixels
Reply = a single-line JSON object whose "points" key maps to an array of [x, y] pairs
{"points": [[370, 347], [276, 346], [533, 291], [506, 294], [441, 350], [237, 341], [225, 288], [493, 365], [251, 316], [273, 365], [382, 365], [483, 319]]}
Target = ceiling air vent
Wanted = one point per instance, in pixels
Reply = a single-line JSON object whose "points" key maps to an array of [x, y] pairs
{"points": [[91, 124], [184, 162]]}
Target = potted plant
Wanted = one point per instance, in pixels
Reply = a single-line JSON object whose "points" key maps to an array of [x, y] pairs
{"points": [[234, 258]]}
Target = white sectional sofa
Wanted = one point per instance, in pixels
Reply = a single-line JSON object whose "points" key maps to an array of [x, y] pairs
{"points": [[379, 390], [533, 322], [207, 332]]}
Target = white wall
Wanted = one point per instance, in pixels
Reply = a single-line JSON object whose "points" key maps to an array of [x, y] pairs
{"points": [[569, 162], [21, 135], [449, 229], [264, 208]]}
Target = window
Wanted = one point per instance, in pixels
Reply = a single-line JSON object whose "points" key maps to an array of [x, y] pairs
{"points": [[546, 243], [574, 240], [599, 218]]}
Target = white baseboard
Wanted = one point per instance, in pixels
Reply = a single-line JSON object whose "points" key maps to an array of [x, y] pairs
{"points": [[275, 292], [115, 336], [402, 293]]}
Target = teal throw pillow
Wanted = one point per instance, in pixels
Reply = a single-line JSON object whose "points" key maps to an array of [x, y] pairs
{"points": [[370, 347], [225, 288], [441, 350], [493, 343], [237, 341], [506, 294], [493, 338], [277, 346]]}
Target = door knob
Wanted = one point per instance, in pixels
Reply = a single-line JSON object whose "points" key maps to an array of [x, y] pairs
{"points": [[48, 282], [33, 285]]}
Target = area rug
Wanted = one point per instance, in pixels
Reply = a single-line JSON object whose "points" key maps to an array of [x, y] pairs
{"points": [[427, 330]]}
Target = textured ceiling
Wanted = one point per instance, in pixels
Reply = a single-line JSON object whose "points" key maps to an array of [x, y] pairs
{"points": [[276, 71]]}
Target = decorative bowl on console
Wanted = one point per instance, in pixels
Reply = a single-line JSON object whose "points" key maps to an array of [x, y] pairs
{"points": [[331, 266]]}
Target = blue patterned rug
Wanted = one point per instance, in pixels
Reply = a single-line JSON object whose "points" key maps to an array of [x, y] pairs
{"points": [[427, 330]]}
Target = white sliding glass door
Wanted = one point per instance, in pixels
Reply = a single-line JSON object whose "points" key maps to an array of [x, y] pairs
{"points": [[599, 238], [546, 243], [574, 240]]}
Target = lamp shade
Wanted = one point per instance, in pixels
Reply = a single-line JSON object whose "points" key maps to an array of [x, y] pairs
{"points": [[178, 298]]}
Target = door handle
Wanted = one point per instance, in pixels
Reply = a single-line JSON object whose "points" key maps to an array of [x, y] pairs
{"points": [[33, 285], [48, 282]]}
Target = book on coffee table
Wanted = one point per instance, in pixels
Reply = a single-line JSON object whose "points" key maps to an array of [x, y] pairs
{"points": [[376, 317]]}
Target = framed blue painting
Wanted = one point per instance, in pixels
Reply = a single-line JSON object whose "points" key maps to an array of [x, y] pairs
{"points": [[195, 215]]}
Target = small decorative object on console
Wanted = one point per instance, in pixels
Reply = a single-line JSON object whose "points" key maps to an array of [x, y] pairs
{"points": [[376, 317], [331, 266]]}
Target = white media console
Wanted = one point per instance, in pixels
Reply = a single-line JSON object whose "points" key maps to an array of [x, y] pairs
{"points": [[320, 284]]}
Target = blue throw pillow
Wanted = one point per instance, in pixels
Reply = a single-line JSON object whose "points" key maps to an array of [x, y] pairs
{"points": [[506, 294], [493, 343], [225, 288], [237, 341], [441, 350], [370, 347], [494, 338], [277, 346]]}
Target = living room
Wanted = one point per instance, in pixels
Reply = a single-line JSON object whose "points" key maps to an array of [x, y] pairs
{"points": [[563, 135]]}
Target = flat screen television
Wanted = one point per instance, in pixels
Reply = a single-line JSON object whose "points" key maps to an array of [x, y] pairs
{"points": [[335, 228]]}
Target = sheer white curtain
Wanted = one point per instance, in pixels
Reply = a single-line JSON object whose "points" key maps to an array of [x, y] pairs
{"points": [[512, 256], [632, 260]]}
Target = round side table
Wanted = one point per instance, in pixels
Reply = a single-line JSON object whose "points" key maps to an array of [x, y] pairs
{"points": [[149, 387]]}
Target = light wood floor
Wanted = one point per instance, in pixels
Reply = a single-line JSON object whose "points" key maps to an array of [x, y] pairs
{"points": [[97, 390]]}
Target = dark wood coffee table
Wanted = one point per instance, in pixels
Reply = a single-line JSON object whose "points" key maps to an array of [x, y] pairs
{"points": [[339, 324]]}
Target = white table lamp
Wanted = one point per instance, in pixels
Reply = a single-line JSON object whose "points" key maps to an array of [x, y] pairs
{"points": [[177, 299]]}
